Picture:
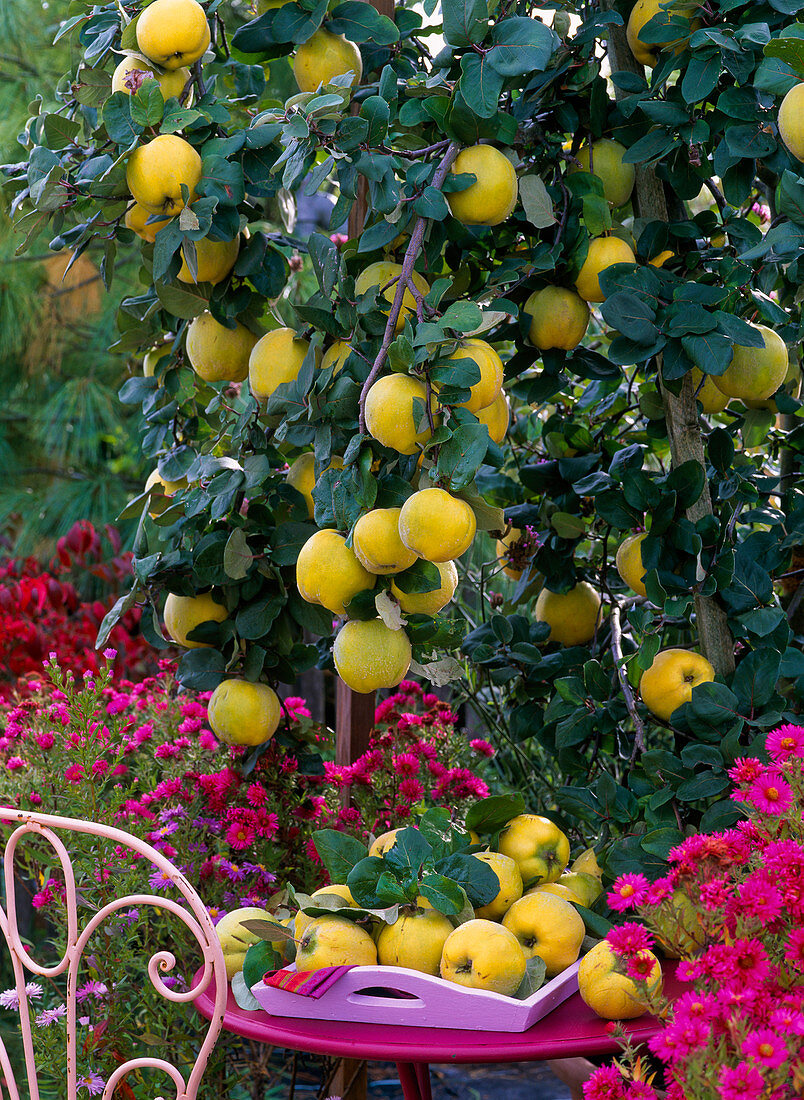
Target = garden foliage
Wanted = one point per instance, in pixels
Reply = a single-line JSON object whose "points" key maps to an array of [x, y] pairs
{"points": [[604, 440]]}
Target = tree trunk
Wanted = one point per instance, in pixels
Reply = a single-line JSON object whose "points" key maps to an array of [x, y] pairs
{"points": [[681, 413]]}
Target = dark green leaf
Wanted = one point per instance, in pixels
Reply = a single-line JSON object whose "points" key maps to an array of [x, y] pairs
{"points": [[521, 45], [493, 813], [465, 21], [362, 23], [480, 84], [339, 852]]}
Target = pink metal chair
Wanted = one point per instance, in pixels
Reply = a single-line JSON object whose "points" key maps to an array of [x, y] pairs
{"points": [[193, 915]]}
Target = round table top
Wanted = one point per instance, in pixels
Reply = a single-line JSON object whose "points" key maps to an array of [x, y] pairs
{"points": [[571, 1030]]}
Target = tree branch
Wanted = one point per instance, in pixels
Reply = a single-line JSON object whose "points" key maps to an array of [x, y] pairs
{"points": [[403, 283], [622, 676]]}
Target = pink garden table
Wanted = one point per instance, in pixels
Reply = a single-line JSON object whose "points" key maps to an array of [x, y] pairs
{"points": [[572, 1030]]}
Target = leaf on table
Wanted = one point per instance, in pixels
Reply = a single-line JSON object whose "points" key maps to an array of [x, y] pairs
{"points": [[243, 996], [535, 974]]}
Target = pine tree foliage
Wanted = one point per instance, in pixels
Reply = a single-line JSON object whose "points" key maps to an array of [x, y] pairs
{"points": [[66, 448]]}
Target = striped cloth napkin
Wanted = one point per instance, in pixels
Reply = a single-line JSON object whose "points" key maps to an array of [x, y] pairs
{"points": [[307, 983]]}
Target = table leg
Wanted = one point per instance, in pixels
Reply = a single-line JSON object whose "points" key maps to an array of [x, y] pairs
{"points": [[423, 1077], [414, 1078]]}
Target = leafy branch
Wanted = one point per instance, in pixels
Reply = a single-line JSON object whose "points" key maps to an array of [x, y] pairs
{"points": [[404, 282]]}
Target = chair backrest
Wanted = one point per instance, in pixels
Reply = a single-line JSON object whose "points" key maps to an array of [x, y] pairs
{"points": [[192, 913]]}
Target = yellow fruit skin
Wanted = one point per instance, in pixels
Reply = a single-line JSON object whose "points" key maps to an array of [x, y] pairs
{"points": [[483, 955], [151, 360], [603, 252], [376, 542], [379, 275], [324, 56], [496, 417], [607, 164], [301, 476], [183, 614], [629, 563], [217, 353], [336, 355], [646, 53], [214, 259], [710, 397], [537, 846], [383, 843], [429, 603], [334, 941], [557, 889], [559, 318], [610, 995], [302, 921], [587, 863], [136, 220], [680, 932], [415, 940], [436, 525], [492, 197], [328, 572], [173, 33], [157, 506], [171, 84], [235, 939], [547, 926], [670, 679], [791, 113], [369, 655], [277, 357], [488, 361], [395, 413], [156, 171], [586, 887], [572, 616], [510, 881], [755, 373], [242, 713]]}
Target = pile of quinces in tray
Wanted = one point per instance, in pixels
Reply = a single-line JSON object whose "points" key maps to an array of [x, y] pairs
{"points": [[490, 904]]}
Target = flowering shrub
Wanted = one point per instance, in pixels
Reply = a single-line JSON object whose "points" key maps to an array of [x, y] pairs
{"points": [[58, 607], [141, 756], [732, 906]]}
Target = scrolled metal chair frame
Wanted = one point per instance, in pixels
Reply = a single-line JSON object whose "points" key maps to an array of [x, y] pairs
{"points": [[194, 916]]}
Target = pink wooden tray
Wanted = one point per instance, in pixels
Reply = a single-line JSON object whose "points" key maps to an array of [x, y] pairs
{"points": [[370, 995]]}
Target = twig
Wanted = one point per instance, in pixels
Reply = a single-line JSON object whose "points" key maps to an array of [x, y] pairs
{"points": [[622, 676], [716, 193], [413, 249]]}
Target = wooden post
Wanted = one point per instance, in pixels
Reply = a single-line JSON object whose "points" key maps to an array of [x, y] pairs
{"points": [[354, 719], [354, 712]]}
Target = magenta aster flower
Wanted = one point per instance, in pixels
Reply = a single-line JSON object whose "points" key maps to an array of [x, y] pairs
{"points": [[786, 741], [743, 1082], [771, 794], [795, 948], [746, 769], [629, 891], [765, 1046], [629, 939]]}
